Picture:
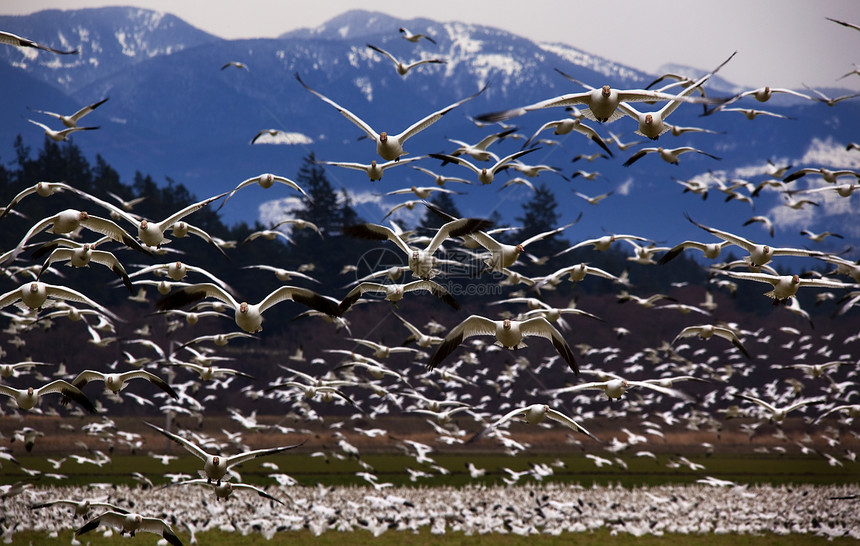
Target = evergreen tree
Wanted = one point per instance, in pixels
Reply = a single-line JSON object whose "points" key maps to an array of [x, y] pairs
{"points": [[444, 202], [540, 215]]}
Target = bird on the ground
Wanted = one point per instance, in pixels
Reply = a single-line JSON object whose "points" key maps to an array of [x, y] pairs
{"points": [[215, 467], [130, 523], [390, 147], [18, 41], [72, 120], [509, 334], [403, 67]]}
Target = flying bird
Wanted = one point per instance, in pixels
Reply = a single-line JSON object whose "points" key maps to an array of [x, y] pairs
{"points": [[215, 467], [414, 38], [72, 120], [390, 147], [509, 334], [130, 523], [63, 134], [401, 67], [18, 41]]}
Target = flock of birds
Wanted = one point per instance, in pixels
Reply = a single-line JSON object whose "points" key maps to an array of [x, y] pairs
{"points": [[444, 376]]}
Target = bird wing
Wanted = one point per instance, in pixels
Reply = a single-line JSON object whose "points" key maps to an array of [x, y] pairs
{"points": [[472, 326], [87, 109], [758, 401], [178, 215], [539, 326], [457, 228], [394, 59], [256, 490], [113, 519], [377, 233], [422, 124], [638, 155], [346, 113], [159, 527], [304, 296], [187, 444], [152, 378], [248, 455], [567, 421], [659, 388], [65, 293]]}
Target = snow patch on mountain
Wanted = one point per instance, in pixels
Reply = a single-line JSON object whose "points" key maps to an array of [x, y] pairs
{"points": [[591, 62]]}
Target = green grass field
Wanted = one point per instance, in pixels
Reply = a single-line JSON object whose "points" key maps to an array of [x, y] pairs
{"points": [[770, 469]]}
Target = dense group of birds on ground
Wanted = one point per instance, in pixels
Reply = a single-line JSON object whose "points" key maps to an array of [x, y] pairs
{"points": [[433, 383]]}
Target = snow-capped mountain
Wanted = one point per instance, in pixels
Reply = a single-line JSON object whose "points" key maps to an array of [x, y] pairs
{"points": [[174, 112]]}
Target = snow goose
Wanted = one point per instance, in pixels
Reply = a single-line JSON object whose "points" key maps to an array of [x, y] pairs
{"points": [[373, 170], [19, 368], [380, 350], [81, 507], [69, 220], [615, 387], [601, 244], [28, 398], [226, 488], [115, 382], [830, 101], [265, 181], [390, 147], [152, 233], [422, 263], [439, 179], [602, 102], [215, 467], [479, 151], [236, 64], [414, 37], [533, 415], [401, 67], [669, 155], [566, 126], [249, 317], [82, 255], [595, 199], [502, 255], [828, 175], [575, 273], [819, 237], [710, 250], [759, 255], [509, 334], [764, 221], [777, 414], [394, 292], [35, 294], [63, 134], [18, 41], [786, 286], [130, 523], [422, 192], [72, 120], [420, 338], [485, 175], [752, 113], [707, 331]]}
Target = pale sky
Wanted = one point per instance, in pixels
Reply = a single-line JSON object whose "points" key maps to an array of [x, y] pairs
{"points": [[781, 43]]}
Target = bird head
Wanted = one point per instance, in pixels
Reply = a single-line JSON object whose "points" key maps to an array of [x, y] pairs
{"points": [[605, 91], [383, 136]]}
